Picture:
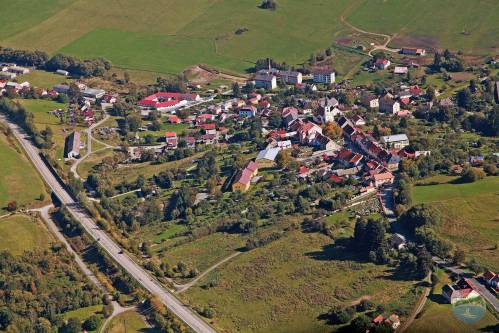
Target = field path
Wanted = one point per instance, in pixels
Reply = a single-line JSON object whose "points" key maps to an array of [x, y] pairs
{"points": [[184, 287], [382, 47], [89, 130]]}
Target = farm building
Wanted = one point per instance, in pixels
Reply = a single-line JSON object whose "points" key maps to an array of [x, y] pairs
{"points": [[72, 145], [266, 157], [325, 76], [166, 101], [413, 51], [266, 81], [290, 77]]}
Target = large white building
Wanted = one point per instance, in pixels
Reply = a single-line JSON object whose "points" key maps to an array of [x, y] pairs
{"points": [[325, 76]]}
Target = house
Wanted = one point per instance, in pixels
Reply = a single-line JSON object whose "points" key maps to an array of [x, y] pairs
{"points": [[446, 102], [174, 119], [210, 128], [393, 321], [289, 114], [247, 111], [18, 70], [93, 93], [383, 178], [392, 162], [460, 291], [325, 76], [61, 88], [388, 105], [492, 280], [7, 76], [400, 70], [477, 160], [398, 241], [382, 63], [413, 51], [266, 157], [322, 142], [397, 141], [328, 109], [266, 81], [72, 145], [358, 120], [62, 72], [243, 178], [190, 142], [370, 101], [171, 140], [306, 131], [303, 171], [166, 101], [290, 77]]}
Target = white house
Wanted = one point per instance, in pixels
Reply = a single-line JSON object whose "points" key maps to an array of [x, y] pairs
{"points": [[397, 141], [266, 81]]}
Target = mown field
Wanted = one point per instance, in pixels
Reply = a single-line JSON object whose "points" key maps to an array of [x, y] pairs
{"points": [[438, 310], [166, 36], [130, 322], [19, 233], [18, 180], [470, 215], [286, 285]]}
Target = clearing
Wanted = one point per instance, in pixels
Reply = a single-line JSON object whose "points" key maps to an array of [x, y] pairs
{"points": [[19, 233]]}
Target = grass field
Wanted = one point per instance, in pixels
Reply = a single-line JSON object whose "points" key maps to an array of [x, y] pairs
{"points": [[43, 79], [286, 285], [470, 215], [85, 313], [437, 310], [465, 25], [18, 179], [19, 233], [130, 322]]}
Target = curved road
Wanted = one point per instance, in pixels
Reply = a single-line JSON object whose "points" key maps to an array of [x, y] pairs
{"points": [[80, 214]]}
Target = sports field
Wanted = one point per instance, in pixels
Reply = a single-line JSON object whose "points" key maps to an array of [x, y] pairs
{"points": [[470, 214], [167, 36]]}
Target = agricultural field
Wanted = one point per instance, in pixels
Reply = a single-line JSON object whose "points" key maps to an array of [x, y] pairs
{"points": [[287, 284], [133, 36], [43, 79], [470, 214], [461, 24], [18, 181], [19, 233], [438, 310], [85, 313]]}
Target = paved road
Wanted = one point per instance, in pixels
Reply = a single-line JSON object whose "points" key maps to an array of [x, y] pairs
{"points": [[80, 214]]}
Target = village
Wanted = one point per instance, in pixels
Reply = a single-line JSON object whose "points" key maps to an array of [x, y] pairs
{"points": [[318, 129]]}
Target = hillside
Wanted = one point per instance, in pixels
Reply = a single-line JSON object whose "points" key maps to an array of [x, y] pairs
{"points": [[169, 35]]}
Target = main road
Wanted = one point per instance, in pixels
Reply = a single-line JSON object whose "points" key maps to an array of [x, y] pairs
{"points": [[130, 266]]}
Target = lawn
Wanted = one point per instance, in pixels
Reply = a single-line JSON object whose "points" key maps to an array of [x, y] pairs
{"points": [[43, 79], [18, 180], [86, 166], [286, 285], [130, 322], [85, 313], [19, 233], [438, 310], [470, 214]]}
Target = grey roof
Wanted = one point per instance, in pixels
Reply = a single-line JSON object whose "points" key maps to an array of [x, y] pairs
{"points": [[264, 77], [395, 138], [326, 101], [268, 154]]}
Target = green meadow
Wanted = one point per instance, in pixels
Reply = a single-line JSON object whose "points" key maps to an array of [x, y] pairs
{"points": [[19, 233], [470, 214]]}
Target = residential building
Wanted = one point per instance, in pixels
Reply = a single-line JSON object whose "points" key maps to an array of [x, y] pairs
{"points": [[460, 291], [171, 140], [370, 101], [72, 145], [18, 70], [290, 77], [243, 178], [61, 88], [289, 114], [247, 111], [382, 63], [167, 101], [266, 157], [397, 141], [413, 51], [389, 105], [326, 76], [265, 80], [358, 120], [383, 178]]}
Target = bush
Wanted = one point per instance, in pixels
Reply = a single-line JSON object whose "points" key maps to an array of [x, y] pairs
{"points": [[92, 323], [472, 175], [338, 315]]}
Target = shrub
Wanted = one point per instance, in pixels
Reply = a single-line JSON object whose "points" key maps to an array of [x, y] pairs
{"points": [[472, 175], [92, 323]]}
